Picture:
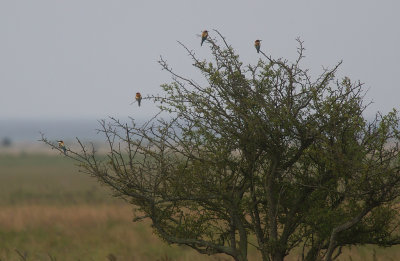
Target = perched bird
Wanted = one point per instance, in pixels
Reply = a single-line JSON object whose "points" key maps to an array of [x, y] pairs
{"points": [[138, 98], [61, 145], [257, 45], [204, 36]]}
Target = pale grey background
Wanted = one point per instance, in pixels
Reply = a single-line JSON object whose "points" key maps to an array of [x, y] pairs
{"points": [[85, 59]]}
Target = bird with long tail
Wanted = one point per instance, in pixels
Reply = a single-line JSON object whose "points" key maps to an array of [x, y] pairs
{"points": [[138, 98], [61, 145], [257, 45], [204, 36]]}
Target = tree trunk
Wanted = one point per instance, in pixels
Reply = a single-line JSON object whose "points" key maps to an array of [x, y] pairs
{"points": [[312, 254], [277, 257], [240, 258], [342, 227]]}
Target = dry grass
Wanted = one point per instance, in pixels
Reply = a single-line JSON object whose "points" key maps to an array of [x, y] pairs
{"points": [[18, 218], [81, 232], [48, 209]]}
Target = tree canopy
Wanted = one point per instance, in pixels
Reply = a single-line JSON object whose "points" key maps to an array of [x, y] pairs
{"points": [[261, 154]]}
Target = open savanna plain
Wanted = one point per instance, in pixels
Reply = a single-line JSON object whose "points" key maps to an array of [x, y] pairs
{"points": [[51, 211]]}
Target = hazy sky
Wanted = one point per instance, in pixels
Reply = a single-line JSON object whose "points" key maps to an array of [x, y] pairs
{"points": [[88, 58]]}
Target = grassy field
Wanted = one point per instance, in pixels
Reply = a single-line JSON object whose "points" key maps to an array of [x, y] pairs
{"points": [[49, 210]]}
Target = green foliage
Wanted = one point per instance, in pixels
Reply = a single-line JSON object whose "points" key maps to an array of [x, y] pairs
{"points": [[260, 150]]}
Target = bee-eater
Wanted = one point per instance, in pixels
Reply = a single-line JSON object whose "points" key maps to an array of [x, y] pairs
{"points": [[61, 145], [138, 98], [204, 36], [257, 45]]}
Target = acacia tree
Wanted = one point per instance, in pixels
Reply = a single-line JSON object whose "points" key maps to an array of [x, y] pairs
{"points": [[261, 154]]}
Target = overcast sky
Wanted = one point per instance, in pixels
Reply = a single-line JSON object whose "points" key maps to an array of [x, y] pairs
{"points": [[87, 58]]}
